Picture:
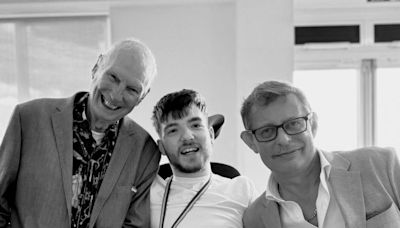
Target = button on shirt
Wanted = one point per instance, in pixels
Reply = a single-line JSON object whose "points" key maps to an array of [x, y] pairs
{"points": [[328, 212]]}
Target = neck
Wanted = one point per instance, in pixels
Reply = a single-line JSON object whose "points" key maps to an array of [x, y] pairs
{"points": [[205, 171], [302, 182], [99, 126], [96, 124]]}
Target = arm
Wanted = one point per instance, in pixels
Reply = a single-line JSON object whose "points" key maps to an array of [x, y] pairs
{"points": [[9, 163], [394, 174], [139, 209]]}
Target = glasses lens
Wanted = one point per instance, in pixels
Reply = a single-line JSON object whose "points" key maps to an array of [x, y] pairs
{"points": [[265, 133], [295, 126]]}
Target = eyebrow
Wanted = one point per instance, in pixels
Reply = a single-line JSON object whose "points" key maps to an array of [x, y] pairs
{"points": [[194, 119], [191, 120]]}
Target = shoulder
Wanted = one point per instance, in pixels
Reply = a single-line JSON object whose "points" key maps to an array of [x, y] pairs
{"points": [[240, 185], [371, 162], [141, 136], [41, 103], [130, 124], [157, 190], [375, 155], [158, 184], [45, 104], [257, 204], [236, 181]]}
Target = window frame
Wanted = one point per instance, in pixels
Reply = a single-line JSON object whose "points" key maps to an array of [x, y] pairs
{"points": [[362, 56]]}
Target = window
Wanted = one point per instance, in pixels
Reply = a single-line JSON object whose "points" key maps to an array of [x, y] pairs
{"points": [[47, 57], [357, 106], [332, 95], [361, 76], [388, 107]]}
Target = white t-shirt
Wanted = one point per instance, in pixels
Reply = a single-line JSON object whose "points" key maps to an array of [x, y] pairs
{"points": [[222, 205]]}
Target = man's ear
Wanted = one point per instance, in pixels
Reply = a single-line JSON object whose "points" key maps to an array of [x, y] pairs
{"points": [[161, 147], [144, 95], [247, 137], [314, 124], [212, 134]]}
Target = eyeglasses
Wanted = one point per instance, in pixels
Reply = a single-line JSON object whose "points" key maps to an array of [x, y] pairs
{"points": [[291, 127]]}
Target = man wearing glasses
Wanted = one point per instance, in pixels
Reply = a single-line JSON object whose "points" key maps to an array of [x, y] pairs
{"points": [[309, 187]]}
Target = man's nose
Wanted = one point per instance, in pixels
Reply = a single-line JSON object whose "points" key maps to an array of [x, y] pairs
{"points": [[117, 93], [187, 134], [282, 137]]}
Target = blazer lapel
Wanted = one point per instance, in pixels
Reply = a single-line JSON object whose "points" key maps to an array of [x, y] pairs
{"points": [[347, 189], [122, 150], [272, 219], [62, 127]]}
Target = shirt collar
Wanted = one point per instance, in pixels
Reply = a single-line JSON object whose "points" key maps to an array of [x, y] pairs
{"points": [[325, 165]]}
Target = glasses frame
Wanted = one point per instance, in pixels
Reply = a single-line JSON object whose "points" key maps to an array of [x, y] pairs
{"points": [[306, 118]]}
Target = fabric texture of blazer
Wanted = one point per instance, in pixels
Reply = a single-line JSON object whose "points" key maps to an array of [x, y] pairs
{"points": [[365, 182], [36, 171]]}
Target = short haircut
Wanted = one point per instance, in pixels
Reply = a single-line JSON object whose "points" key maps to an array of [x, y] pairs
{"points": [[176, 105], [266, 93]]}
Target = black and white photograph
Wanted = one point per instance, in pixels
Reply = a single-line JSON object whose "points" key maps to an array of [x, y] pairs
{"points": [[199, 113]]}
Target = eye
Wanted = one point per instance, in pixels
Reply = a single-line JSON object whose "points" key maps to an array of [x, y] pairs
{"points": [[171, 131], [266, 131], [197, 125], [295, 124], [132, 90], [112, 77]]}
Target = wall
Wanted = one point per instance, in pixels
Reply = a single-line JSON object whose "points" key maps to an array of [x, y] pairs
{"points": [[220, 48], [194, 47], [265, 39]]}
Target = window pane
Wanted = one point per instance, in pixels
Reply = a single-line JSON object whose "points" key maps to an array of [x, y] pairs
{"points": [[62, 53], [8, 88], [333, 96], [388, 107], [47, 57]]}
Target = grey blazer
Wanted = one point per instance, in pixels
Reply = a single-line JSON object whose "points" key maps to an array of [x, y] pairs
{"points": [[366, 184], [36, 171]]}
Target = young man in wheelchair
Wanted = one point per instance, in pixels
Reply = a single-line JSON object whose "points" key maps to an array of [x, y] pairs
{"points": [[193, 196]]}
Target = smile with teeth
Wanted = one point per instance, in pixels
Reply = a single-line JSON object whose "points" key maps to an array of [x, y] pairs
{"points": [[189, 150], [109, 105]]}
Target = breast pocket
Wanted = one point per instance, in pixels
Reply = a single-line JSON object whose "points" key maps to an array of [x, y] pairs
{"points": [[390, 218]]}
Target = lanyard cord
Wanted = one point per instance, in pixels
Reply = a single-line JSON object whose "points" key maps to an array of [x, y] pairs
{"points": [[188, 206]]}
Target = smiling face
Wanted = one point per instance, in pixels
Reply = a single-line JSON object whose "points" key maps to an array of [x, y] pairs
{"points": [[119, 83], [287, 154], [187, 142]]}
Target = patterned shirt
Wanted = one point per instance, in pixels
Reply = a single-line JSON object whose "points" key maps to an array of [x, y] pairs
{"points": [[90, 163]]}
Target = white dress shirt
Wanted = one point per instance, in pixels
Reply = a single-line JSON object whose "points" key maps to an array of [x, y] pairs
{"points": [[328, 212]]}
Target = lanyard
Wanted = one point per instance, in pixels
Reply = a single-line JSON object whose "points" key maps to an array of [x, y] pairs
{"points": [[188, 206]]}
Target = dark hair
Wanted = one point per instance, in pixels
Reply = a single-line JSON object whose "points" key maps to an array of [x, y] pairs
{"points": [[266, 93], [176, 105]]}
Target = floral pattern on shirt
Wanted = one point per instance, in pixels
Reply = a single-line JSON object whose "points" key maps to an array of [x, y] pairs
{"points": [[90, 163]]}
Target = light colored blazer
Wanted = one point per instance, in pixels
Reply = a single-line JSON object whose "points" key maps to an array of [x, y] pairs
{"points": [[366, 184], [36, 171]]}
